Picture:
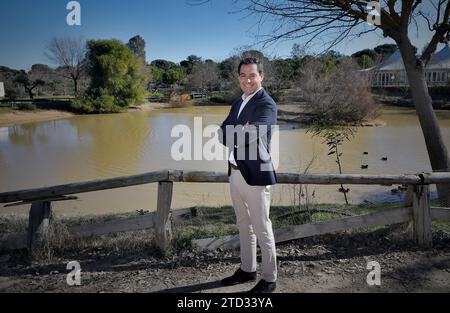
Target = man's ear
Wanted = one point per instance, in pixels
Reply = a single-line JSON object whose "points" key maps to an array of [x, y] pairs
{"points": [[262, 76]]}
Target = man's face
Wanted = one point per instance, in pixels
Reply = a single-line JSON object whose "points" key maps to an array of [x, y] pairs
{"points": [[249, 78]]}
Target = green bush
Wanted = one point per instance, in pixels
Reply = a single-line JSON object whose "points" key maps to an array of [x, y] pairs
{"points": [[218, 99], [222, 97], [80, 105], [26, 106], [104, 103], [115, 79], [156, 95]]}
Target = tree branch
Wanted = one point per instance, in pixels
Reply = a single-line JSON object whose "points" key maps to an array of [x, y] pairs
{"points": [[430, 28], [441, 35], [391, 6]]}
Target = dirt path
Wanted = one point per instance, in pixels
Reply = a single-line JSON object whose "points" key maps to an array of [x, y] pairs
{"points": [[21, 117], [334, 263]]}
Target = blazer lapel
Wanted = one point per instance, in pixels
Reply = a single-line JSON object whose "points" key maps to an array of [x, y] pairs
{"points": [[236, 108], [243, 117]]}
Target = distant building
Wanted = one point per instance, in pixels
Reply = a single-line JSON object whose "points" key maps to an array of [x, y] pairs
{"points": [[2, 90], [391, 72]]}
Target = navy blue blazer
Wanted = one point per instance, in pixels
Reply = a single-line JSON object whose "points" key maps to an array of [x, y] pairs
{"points": [[251, 145]]}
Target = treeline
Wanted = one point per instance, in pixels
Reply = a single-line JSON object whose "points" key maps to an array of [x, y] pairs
{"points": [[368, 58], [109, 76], [41, 80]]}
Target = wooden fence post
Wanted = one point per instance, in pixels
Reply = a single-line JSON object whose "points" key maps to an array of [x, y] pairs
{"points": [[163, 223], [421, 216], [38, 223], [408, 200]]}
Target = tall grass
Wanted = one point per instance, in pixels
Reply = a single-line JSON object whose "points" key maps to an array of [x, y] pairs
{"points": [[208, 222]]}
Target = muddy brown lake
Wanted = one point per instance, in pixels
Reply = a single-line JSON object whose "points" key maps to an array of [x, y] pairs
{"points": [[89, 147]]}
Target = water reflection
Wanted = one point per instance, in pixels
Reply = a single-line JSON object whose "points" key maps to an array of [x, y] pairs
{"points": [[112, 144], [4, 133]]}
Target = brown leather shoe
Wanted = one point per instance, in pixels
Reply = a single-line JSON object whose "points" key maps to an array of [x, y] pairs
{"points": [[239, 277], [264, 287]]}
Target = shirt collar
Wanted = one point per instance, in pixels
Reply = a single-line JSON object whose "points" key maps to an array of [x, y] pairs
{"points": [[251, 95]]}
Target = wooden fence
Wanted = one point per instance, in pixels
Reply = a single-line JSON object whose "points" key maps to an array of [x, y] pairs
{"points": [[417, 210], [197, 95]]}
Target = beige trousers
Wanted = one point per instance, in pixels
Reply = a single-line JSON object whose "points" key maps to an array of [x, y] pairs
{"points": [[252, 205]]}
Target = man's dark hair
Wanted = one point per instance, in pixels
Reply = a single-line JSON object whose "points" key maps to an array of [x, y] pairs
{"points": [[251, 61]]}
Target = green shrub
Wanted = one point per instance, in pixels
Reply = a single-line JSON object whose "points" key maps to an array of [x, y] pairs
{"points": [[156, 95], [81, 105], [104, 103], [222, 97], [116, 81], [26, 106]]}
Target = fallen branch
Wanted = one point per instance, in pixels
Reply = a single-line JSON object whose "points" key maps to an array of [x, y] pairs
{"points": [[312, 211]]}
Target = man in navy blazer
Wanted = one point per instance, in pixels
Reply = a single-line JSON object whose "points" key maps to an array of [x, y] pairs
{"points": [[247, 132]]}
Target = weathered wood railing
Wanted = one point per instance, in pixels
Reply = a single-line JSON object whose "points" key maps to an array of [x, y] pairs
{"points": [[418, 210]]}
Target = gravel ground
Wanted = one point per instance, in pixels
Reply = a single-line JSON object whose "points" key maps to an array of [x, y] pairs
{"points": [[329, 263]]}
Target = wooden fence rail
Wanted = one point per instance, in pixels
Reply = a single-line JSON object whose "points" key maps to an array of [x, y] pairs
{"points": [[418, 211]]}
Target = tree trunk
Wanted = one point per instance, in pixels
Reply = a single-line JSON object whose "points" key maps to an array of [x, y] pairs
{"points": [[75, 85], [30, 93], [437, 152]]}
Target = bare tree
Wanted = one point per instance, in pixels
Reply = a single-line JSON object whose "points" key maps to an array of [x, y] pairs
{"points": [[69, 54], [329, 22], [340, 95], [205, 76]]}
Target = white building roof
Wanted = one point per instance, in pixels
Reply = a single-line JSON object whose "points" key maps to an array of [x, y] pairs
{"points": [[393, 63], [440, 60]]}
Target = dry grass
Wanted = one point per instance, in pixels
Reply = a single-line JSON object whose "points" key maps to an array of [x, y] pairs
{"points": [[209, 222]]}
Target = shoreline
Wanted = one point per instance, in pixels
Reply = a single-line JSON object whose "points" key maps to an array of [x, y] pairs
{"points": [[19, 117], [23, 117]]}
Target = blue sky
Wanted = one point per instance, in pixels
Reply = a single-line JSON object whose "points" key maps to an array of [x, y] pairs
{"points": [[172, 29]]}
